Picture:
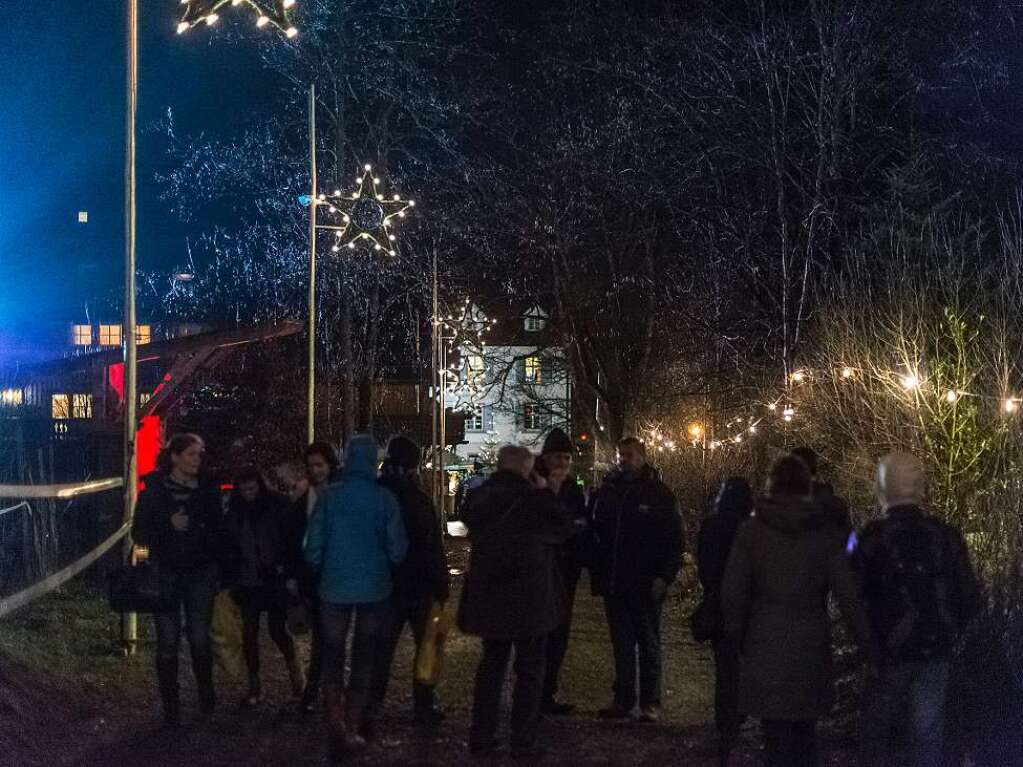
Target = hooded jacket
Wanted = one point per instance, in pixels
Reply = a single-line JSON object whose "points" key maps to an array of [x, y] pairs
{"points": [[356, 535], [638, 529], [784, 562], [204, 543]]}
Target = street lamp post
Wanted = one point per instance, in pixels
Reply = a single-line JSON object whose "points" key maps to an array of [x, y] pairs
{"points": [[311, 393]]}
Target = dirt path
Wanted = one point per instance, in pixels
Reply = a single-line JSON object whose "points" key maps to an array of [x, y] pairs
{"points": [[116, 719]]}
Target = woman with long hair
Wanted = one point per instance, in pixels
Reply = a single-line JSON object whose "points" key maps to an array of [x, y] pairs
{"points": [[785, 561], [179, 520], [257, 519]]}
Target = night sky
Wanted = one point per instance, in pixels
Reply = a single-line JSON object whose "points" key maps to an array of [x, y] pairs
{"points": [[62, 138]]}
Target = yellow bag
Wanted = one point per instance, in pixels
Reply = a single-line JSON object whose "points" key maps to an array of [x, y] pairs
{"points": [[430, 656], [226, 634]]}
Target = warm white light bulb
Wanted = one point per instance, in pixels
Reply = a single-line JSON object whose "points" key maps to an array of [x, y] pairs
{"points": [[412, 203], [910, 382], [351, 245], [289, 3], [376, 246], [391, 237], [1011, 405], [380, 197], [397, 198], [182, 27], [368, 167], [291, 32], [332, 209], [355, 195], [847, 372], [798, 376], [212, 19], [376, 181], [391, 252], [262, 21], [336, 248], [951, 395], [401, 214], [346, 219]]}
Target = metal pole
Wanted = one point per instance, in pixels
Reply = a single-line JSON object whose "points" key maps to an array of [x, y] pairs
{"points": [[443, 483], [311, 402], [129, 621], [434, 379]]}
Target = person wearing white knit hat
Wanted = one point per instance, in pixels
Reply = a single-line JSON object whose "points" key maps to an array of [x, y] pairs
{"points": [[920, 591]]}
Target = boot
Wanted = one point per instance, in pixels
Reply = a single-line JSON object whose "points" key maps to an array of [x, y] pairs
{"points": [[255, 694], [297, 677], [167, 677], [334, 716], [426, 713], [356, 704]]}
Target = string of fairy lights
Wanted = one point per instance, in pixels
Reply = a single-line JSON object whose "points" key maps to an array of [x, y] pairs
{"points": [[465, 379], [268, 12], [366, 216], [738, 431]]}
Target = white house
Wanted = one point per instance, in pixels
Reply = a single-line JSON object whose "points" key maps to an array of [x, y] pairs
{"points": [[509, 380]]}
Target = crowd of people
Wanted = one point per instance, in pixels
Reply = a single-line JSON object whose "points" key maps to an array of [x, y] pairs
{"points": [[361, 548]]}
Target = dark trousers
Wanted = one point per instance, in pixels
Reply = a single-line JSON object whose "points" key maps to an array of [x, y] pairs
{"points": [[906, 698], [635, 625], [486, 704], [790, 744], [315, 671], [369, 621], [557, 640], [726, 692], [410, 611], [193, 592], [253, 603]]}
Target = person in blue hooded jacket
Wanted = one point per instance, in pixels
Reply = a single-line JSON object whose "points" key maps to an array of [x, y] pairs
{"points": [[354, 538]]}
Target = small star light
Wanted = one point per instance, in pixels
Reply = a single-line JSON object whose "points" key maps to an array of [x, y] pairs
{"points": [[367, 214], [268, 12]]}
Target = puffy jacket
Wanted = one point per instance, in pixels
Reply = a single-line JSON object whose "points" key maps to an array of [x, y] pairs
{"points": [[638, 530], [424, 572], [783, 564], [205, 542], [356, 534]]}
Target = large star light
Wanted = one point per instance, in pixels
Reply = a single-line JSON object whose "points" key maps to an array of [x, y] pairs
{"points": [[367, 215], [270, 12]]}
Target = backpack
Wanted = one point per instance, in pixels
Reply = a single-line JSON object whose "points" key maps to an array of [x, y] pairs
{"points": [[917, 581]]}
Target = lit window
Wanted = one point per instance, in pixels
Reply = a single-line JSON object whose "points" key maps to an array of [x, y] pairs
{"points": [[533, 324], [60, 406], [81, 406], [474, 420], [143, 334], [11, 398], [109, 335], [83, 335], [475, 368], [531, 420], [533, 367]]}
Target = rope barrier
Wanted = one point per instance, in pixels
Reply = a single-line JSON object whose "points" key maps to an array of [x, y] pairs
{"points": [[60, 491], [15, 507], [59, 578]]}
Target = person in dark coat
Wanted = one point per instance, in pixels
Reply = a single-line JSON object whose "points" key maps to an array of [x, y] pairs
{"points": [[556, 461], [514, 595], [257, 522], [179, 525], [834, 506], [785, 561], [717, 534], [921, 592], [419, 581], [638, 529], [322, 467]]}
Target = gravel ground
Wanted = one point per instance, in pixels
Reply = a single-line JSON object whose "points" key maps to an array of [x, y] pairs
{"points": [[88, 707]]}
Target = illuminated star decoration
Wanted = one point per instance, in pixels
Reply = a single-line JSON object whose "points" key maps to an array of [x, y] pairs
{"points": [[367, 215], [270, 12]]}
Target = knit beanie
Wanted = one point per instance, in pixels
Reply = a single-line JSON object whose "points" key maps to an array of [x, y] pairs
{"points": [[403, 452], [900, 481], [557, 442]]}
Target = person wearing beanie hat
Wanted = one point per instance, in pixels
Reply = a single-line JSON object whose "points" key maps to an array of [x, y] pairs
{"points": [[556, 459], [419, 581], [921, 592]]}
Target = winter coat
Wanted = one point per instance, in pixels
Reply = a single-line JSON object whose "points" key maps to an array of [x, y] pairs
{"points": [[514, 588], [784, 562], [956, 588], [295, 525], [258, 533], [355, 535], [717, 534], [638, 531], [424, 572], [204, 543]]}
